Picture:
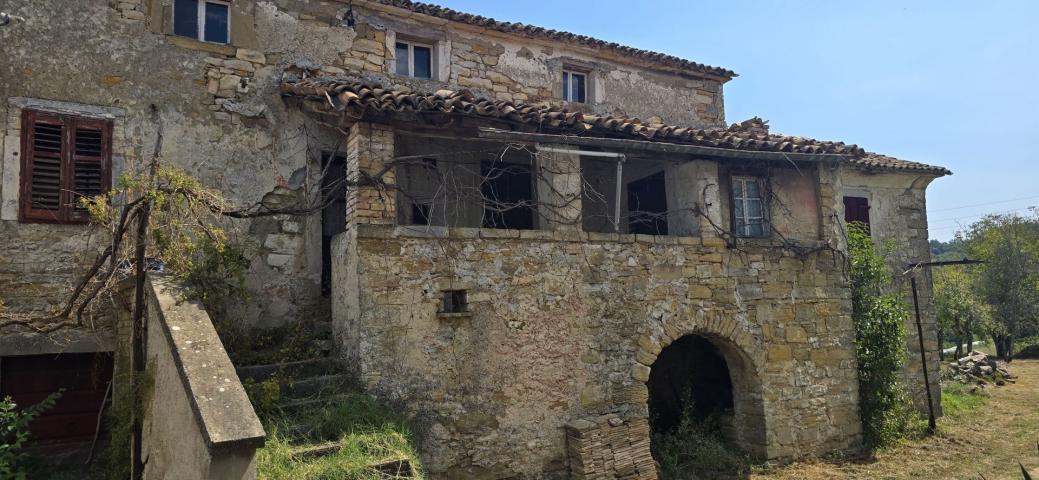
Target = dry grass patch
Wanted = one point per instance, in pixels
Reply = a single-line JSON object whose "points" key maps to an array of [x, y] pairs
{"points": [[979, 436]]}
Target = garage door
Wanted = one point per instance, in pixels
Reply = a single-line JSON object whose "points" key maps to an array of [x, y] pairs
{"points": [[84, 376]]}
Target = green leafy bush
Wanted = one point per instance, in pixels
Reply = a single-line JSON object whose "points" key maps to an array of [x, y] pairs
{"points": [[264, 394], [14, 432], [879, 317]]}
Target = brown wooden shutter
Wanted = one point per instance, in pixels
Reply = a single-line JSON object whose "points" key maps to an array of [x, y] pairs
{"points": [[90, 163], [63, 158]]}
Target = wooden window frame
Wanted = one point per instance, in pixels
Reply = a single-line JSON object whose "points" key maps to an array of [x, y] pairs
{"points": [[200, 6], [411, 58], [568, 80], [763, 197], [66, 213]]}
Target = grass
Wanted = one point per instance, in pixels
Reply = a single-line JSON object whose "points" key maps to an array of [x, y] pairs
{"points": [[980, 434], [367, 431], [958, 400]]}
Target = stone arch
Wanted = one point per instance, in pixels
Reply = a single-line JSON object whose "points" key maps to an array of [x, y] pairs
{"points": [[733, 342]]}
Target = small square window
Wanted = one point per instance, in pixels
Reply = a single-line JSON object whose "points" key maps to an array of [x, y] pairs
{"points": [[414, 60], [205, 20], [749, 209], [575, 86], [454, 301]]}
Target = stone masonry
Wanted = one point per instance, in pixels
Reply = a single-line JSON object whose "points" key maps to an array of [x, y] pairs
{"points": [[544, 374]]}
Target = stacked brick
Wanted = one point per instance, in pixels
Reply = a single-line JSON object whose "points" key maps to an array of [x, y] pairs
{"points": [[608, 447]]}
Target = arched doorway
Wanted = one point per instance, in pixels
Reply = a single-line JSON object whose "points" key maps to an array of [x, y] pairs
{"points": [[707, 376], [689, 377]]}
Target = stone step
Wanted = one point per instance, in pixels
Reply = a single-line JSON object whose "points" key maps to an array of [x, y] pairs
{"points": [[316, 451], [298, 403], [316, 386], [296, 369]]}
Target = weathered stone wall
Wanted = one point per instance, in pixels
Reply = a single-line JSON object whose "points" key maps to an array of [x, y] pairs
{"points": [[565, 325], [224, 122], [898, 224]]}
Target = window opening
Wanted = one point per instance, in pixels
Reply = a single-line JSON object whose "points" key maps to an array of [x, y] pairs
{"points": [[206, 20], [64, 158], [748, 204], [414, 60], [454, 301], [508, 195], [421, 214], [856, 209], [647, 205], [574, 86]]}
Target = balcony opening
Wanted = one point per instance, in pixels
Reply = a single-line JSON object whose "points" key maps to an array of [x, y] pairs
{"points": [[647, 205]]}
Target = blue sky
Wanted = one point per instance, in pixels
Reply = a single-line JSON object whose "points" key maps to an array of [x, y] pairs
{"points": [[951, 82]]}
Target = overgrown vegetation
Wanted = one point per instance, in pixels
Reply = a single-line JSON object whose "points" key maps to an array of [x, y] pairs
{"points": [[259, 346], [367, 433], [879, 317], [696, 449], [14, 433]]}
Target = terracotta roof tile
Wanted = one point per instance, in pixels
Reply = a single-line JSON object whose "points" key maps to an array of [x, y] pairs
{"points": [[750, 135], [550, 34]]}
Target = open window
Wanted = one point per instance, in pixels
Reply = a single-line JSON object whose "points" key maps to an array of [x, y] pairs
{"points": [[414, 59], [64, 158], [749, 207], [508, 195], [206, 20], [856, 209], [647, 205], [463, 183]]}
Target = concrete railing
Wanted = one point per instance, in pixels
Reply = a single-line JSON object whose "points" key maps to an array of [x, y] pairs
{"points": [[198, 421]]}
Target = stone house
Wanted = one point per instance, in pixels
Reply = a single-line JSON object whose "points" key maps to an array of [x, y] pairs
{"points": [[541, 236]]}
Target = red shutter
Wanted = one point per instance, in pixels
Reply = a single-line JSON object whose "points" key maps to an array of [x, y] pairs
{"points": [[63, 159]]}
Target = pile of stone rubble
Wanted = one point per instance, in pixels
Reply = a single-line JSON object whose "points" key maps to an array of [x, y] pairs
{"points": [[980, 369]]}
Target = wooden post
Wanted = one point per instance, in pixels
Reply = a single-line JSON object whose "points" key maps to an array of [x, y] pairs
{"points": [[931, 423]]}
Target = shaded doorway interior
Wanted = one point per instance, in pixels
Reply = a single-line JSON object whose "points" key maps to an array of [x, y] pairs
{"points": [[333, 213], [689, 377]]}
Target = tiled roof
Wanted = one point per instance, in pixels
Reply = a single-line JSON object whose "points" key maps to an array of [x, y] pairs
{"points": [[550, 34], [750, 135], [876, 161]]}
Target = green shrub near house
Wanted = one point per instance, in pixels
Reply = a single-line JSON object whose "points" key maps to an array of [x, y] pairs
{"points": [[879, 317]]}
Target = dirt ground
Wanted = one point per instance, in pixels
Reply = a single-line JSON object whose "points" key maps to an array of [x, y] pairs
{"points": [[988, 442]]}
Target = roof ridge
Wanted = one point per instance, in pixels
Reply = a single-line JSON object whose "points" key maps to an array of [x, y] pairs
{"points": [[559, 35]]}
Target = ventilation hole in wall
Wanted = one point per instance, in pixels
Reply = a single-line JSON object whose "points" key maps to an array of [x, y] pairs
{"points": [[454, 301]]}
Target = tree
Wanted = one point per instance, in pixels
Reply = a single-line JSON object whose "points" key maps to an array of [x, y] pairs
{"points": [[1009, 280], [961, 312]]}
